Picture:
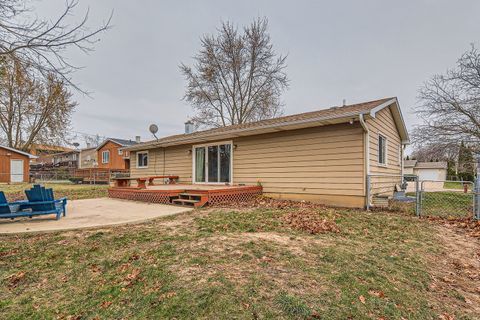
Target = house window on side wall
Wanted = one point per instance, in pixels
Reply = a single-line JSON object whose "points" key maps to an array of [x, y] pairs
{"points": [[142, 159], [105, 156], [120, 152], [382, 150]]}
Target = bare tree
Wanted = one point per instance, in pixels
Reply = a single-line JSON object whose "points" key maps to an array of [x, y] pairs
{"points": [[237, 76], [32, 110], [42, 44], [440, 152], [450, 105]]}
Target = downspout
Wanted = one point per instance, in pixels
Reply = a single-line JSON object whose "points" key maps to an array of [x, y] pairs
{"points": [[366, 143], [402, 152]]}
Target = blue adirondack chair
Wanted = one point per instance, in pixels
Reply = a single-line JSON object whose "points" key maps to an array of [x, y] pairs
{"points": [[40, 202], [4, 205], [8, 209]]}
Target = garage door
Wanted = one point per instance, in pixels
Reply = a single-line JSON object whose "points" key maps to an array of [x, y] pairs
{"points": [[428, 174], [16, 170]]}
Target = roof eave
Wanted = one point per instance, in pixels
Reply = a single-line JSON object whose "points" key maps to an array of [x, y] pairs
{"points": [[292, 125], [30, 156], [397, 116]]}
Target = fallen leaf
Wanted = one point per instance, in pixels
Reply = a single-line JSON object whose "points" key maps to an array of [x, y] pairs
{"points": [[375, 293], [362, 299]]}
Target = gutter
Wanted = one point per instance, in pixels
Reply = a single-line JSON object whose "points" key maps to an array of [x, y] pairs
{"points": [[367, 143]]}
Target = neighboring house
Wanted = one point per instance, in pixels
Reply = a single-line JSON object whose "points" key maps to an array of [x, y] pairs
{"points": [[426, 170], [88, 158], [67, 159], [14, 165], [321, 156], [110, 153], [44, 153]]}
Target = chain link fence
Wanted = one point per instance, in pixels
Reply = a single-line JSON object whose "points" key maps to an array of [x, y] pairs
{"points": [[65, 174], [434, 198], [446, 198]]}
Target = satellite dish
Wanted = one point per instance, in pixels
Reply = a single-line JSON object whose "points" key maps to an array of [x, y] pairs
{"points": [[153, 129]]}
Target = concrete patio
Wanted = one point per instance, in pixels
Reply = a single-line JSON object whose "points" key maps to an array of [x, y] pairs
{"points": [[91, 213]]}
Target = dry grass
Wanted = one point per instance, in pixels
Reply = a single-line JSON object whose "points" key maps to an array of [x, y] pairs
{"points": [[16, 192], [221, 263]]}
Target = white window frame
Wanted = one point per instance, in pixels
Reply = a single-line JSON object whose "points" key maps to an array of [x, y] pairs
{"points": [[103, 156], [386, 150], [136, 159], [230, 142], [120, 152]]}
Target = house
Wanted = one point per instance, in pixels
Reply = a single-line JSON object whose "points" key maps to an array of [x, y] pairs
{"points": [[14, 165], [426, 170], [322, 156], [88, 158], [67, 159], [111, 155], [44, 153]]}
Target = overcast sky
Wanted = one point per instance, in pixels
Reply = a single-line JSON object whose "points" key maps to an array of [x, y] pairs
{"points": [[353, 50]]}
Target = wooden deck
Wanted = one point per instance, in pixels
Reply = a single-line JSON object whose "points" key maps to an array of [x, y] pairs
{"points": [[195, 195]]}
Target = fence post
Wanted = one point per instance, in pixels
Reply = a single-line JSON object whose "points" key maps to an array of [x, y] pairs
{"points": [[368, 192]]}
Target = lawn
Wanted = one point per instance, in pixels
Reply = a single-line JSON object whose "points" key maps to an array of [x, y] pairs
{"points": [[457, 185], [71, 191], [262, 263], [447, 204]]}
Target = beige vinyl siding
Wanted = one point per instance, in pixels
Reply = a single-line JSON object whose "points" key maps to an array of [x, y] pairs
{"points": [[178, 161], [384, 124], [322, 163]]}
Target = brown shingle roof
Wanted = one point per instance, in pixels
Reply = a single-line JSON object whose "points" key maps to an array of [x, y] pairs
{"points": [[324, 114]]}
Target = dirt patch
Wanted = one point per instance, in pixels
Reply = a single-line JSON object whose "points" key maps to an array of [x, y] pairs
{"points": [[467, 224], [227, 256], [456, 276]]}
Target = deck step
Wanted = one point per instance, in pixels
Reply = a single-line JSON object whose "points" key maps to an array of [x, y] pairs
{"points": [[186, 200], [188, 203], [191, 195], [191, 199]]}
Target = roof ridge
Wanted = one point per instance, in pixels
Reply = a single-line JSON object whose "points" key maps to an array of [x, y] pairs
{"points": [[332, 112]]}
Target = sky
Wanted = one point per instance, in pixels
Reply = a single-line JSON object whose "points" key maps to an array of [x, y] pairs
{"points": [[353, 50]]}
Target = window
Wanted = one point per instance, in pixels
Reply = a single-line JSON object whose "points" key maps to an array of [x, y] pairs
{"points": [[142, 159], [120, 152], [212, 163], [382, 150], [105, 156], [89, 158]]}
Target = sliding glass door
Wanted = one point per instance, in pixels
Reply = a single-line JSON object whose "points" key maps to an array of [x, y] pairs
{"points": [[212, 163]]}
